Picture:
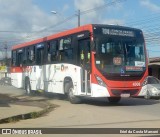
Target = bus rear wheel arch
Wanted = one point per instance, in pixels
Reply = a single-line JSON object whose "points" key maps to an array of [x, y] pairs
{"points": [[68, 88]]}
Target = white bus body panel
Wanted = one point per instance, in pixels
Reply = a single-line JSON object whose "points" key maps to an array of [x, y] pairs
{"points": [[51, 77], [17, 80], [99, 91], [55, 75]]}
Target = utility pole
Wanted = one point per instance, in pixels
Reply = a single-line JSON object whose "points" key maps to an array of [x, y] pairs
{"points": [[78, 14], [5, 47]]}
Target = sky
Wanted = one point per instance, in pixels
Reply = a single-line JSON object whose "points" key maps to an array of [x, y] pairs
{"points": [[26, 20]]}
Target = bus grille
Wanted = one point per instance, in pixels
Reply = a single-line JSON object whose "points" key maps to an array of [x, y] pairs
{"points": [[117, 92]]}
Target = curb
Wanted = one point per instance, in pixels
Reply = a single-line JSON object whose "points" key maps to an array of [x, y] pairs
{"points": [[30, 115]]}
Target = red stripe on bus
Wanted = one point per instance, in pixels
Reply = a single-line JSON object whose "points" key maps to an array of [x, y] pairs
{"points": [[16, 70], [54, 36]]}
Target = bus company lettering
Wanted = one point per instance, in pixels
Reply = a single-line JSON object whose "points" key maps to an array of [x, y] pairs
{"points": [[81, 35], [117, 32], [136, 84], [133, 68], [64, 68]]}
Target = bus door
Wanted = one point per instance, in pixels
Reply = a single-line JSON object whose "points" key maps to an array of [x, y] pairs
{"points": [[84, 62]]}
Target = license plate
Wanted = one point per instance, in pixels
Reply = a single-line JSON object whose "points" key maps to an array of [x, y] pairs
{"points": [[125, 95]]}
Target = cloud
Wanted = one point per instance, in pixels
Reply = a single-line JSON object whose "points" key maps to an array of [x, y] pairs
{"points": [[23, 16], [97, 15], [114, 22], [20, 15], [23, 20], [88, 4], [65, 8], [151, 6], [84, 5]]}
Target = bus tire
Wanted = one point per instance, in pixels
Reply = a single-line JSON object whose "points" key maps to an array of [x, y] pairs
{"points": [[69, 91], [114, 100], [28, 87]]}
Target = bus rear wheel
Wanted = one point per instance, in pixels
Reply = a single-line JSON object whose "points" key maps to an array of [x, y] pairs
{"points": [[69, 91], [28, 87], [114, 100]]}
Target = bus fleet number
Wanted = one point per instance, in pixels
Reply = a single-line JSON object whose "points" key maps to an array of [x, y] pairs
{"points": [[136, 84]]}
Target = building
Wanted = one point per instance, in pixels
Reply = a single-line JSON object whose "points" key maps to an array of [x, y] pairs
{"points": [[5, 68]]}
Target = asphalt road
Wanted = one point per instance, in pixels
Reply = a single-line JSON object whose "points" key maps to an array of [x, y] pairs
{"points": [[95, 113], [131, 113], [11, 90]]}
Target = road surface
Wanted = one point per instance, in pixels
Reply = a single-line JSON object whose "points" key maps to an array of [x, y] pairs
{"points": [[95, 113]]}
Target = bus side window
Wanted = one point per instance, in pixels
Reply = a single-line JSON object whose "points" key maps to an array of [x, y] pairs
{"points": [[30, 53], [66, 50], [24, 57], [68, 53], [48, 52], [61, 50], [40, 54], [52, 51], [19, 57], [14, 58]]}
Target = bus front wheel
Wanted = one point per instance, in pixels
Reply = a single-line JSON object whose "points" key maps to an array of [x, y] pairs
{"points": [[69, 91], [114, 99]]}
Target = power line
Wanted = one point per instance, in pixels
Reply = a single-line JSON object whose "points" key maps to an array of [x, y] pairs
{"points": [[101, 7], [144, 24], [81, 13], [13, 31], [86, 12]]}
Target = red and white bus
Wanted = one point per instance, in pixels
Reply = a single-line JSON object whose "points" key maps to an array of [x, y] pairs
{"points": [[92, 60]]}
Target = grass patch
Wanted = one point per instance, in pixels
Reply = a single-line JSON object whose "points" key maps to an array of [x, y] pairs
{"points": [[12, 119]]}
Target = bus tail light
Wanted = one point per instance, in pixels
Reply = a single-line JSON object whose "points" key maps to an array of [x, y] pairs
{"points": [[100, 81]]}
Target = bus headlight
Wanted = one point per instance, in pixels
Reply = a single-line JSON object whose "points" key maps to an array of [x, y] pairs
{"points": [[101, 82]]}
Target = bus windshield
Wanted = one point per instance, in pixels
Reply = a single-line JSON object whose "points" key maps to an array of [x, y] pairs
{"points": [[120, 56]]}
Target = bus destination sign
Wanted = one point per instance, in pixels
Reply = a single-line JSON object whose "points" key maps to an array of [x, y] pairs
{"points": [[117, 32]]}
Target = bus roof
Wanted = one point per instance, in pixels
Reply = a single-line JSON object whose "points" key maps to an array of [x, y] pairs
{"points": [[115, 26], [54, 36], [68, 32]]}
